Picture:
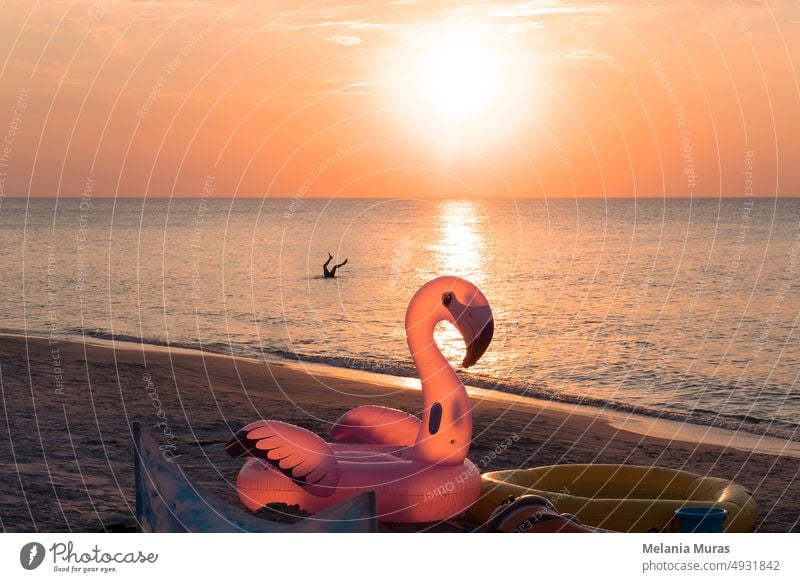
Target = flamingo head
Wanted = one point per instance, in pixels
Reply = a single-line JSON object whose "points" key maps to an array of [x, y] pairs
{"points": [[464, 305]]}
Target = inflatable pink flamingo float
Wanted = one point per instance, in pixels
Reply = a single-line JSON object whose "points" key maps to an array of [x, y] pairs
{"points": [[418, 469]]}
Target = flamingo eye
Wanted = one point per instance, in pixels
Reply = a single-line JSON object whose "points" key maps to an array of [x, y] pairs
{"points": [[447, 298]]}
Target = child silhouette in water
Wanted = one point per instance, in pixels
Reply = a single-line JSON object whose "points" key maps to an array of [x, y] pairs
{"points": [[330, 274]]}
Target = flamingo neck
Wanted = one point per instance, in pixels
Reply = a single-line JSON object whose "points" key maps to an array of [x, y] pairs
{"points": [[446, 430]]}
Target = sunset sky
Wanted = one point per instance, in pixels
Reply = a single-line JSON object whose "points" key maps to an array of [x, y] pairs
{"points": [[404, 98]]}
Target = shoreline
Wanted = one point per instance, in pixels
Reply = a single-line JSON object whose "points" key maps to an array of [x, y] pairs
{"points": [[202, 396], [644, 425], [631, 421], [664, 424]]}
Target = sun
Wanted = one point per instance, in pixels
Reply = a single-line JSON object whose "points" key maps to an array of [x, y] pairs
{"points": [[458, 82], [459, 73]]}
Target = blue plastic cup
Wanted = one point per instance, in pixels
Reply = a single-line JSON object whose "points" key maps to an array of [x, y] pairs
{"points": [[700, 519]]}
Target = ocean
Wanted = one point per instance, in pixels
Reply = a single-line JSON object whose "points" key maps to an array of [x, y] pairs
{"points": [[685, 309]]}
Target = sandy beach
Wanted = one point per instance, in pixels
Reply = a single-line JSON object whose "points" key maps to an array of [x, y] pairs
{"points": [[68, 406]]}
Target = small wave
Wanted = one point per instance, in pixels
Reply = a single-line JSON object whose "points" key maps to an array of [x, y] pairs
{"points": [[122, 337], [351, 363], [749, 418]]}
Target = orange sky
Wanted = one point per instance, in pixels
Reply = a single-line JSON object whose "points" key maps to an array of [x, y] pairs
{"points": [[297, 98]]}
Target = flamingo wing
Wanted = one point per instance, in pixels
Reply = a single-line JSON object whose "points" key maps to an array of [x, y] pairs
{"points": [[296, 452], [376, 425]]}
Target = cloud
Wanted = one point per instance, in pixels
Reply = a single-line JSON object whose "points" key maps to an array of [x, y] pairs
{"points": [[520, 27], [584, 53], [344, 40]]}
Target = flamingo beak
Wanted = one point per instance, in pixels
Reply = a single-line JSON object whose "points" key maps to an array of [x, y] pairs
{"points": [[476, 324]]}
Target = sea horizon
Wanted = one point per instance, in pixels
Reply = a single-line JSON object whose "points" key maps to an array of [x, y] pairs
{"points": [[442, 198]]}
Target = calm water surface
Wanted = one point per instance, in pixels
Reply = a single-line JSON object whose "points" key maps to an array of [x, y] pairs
{"points": [[684, 309]]}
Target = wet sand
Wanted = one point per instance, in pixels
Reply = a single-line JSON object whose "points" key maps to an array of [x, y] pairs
{"points": [[67, 409]]}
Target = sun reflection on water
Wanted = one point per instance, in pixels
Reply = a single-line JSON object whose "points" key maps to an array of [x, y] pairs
{"points": [[459, 251], [461, 243]]}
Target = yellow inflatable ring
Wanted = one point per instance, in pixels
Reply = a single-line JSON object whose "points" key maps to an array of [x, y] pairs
{"points": [[619, 497]]}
